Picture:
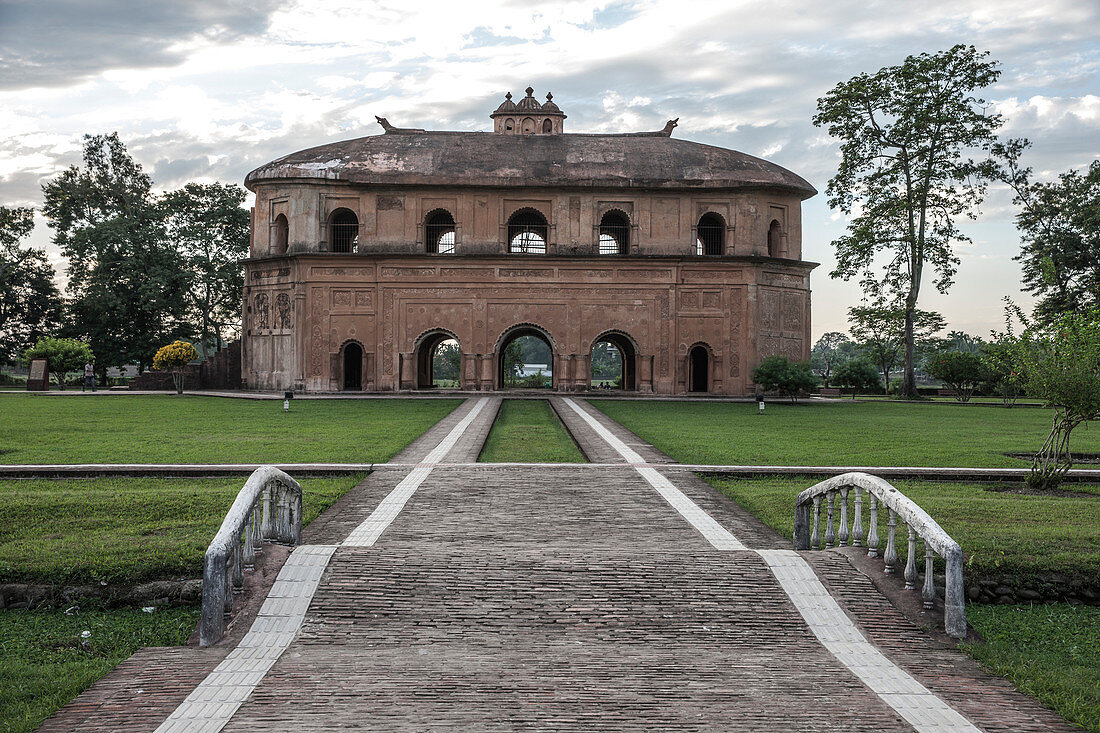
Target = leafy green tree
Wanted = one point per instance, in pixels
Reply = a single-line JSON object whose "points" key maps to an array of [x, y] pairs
{"points": [[207, 225], [963, 372], [831, 350], [879, 331], [126, 282], [906, 133], [607, 362], [859, 375], [30, 304], [63, 355], [1060, 226], [999, 357], [446, 361], [779, 374], [1060, 364]]}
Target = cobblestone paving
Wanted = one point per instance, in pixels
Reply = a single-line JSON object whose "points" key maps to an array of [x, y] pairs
{"points": [[581, 597]]}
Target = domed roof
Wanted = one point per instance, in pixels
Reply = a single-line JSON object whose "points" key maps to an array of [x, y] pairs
{"points": [[529, 102], [639, 160], [548, 106], [507, 105]]}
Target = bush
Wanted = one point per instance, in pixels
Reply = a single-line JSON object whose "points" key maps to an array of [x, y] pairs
{"points": [[175, 356], [859, 375], [963, 372], [778, 374], [63, 356]]}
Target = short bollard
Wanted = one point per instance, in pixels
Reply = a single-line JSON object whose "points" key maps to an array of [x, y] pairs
{"points": [[760, 401], [287, 397]]}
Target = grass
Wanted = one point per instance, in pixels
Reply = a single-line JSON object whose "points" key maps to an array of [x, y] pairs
{"points": [[837, 434], [181, 429], [1000, 532], [529, 431], [45, 663], [1051, 652], [123, 530]]}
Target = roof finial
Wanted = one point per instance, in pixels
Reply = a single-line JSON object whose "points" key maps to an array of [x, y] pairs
{"points": [[508, 96], [530, 91], [549, 97]]}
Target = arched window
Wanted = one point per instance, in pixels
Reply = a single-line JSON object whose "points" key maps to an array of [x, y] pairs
{"points": [[614, 234], [528, 125], [344, 231], [547, 126], [439, 232], [711, 235], [509, 124], [774, 233], [279, 235], [527, 232]]}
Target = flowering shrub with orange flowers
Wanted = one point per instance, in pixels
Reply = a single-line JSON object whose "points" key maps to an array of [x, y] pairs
{"points": [[175, 356]]}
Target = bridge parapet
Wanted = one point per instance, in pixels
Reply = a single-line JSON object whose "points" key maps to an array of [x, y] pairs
{"points": [[268, 507], [808, 536]]}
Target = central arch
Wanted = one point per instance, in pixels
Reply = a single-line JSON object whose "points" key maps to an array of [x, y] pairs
{"points": [[699, 368], [509, 362], [429, 371], [353, 367], [628, 358]]}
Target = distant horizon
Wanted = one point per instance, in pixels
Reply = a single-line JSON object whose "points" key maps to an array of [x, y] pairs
{"points": [[209, 90]]}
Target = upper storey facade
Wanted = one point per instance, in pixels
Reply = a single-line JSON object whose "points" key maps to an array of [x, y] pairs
{"points": [[528, 188]]}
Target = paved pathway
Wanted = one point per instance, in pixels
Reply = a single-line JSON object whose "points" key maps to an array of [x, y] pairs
{"points": [[621, 596]]}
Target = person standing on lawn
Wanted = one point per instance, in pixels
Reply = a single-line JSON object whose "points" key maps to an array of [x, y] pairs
{"points": [[89, 377]]}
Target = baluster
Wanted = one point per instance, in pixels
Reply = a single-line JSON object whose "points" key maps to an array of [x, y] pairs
{"points": [[815, 537], [830, 534], [238, 567], [843, 536], [872, 529], [911, 561], [929, 591], [257, 528], [227, 579], [249, 549], [282, 515], [857, 521], [891, 556], [268, 518]]}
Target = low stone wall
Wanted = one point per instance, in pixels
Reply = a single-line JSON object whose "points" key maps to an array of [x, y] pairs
{"points": [[156, 593], [1041, 588]]}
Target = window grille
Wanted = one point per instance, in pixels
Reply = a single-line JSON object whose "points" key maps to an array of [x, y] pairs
{"points": [[614, 234], [344, 231], [527, 232], [711, 234], [439, 233]]}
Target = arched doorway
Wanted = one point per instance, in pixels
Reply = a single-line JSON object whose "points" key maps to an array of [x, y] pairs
{"points": [[353, 366], [699, 369], [613, 362], [438, 361], [525, 359]]}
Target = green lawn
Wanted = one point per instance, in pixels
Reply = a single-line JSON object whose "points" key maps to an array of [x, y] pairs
{"points": [[123, 530], [837, 434], [45, 662], [529, 431], [1051, 652], [191, 429]]}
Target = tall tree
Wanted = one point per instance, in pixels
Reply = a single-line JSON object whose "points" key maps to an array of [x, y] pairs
{"points": [[30, 304], [126, 282], [1060, 224], [905, 134], [831, 350], [207, 225], [879, 329]]}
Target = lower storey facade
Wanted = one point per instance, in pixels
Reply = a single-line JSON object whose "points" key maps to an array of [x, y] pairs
{"points": [[325, 323]]}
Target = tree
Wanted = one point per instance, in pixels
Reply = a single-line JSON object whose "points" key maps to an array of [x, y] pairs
{"points": [[963, 372], [830, 351], [859, 375], [126, 282], [1060, 364], [175, 356], [778, 374], [905, 131], [879, 330], [30, 304], [446, 361], [607, 363], [63, 355], [206, 224], [1060, 226]]}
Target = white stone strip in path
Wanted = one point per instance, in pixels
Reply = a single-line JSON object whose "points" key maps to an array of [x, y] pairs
{"points": [[367, 533], [715, 534], [918, 705], [215, 700]]}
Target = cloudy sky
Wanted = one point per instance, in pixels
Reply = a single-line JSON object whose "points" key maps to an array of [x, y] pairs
{"points": [[209, 89]]}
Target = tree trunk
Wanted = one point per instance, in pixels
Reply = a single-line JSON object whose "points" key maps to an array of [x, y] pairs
{"points": [[1053, 459], [909, 382]]}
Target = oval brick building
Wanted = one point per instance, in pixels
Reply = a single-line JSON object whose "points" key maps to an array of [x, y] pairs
{"points": [[369, 253]]}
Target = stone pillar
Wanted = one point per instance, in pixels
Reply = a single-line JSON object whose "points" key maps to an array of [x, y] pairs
{"points": [[408, 370], [645, 373], [486, 369], [368, 371]]}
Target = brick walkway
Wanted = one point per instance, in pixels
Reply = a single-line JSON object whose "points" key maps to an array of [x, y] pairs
{"points": [[565, 598]]}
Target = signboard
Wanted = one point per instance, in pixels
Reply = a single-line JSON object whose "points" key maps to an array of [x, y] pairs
{"points": [[39, 378]]}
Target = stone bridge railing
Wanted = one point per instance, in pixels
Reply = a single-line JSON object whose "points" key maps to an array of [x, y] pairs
{"points": [[835, 493], [269, 507]]}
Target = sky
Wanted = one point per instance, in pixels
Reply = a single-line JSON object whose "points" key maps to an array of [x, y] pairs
{"points": [[207, 90]]}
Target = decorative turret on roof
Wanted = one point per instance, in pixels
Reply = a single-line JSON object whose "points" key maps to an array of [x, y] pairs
{"points": [[528, 117]]}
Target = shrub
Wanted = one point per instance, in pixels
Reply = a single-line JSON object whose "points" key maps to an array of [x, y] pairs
{"points": [[859, 375], [175, 356], [963, 372], [63, 355], [779, 374]]}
